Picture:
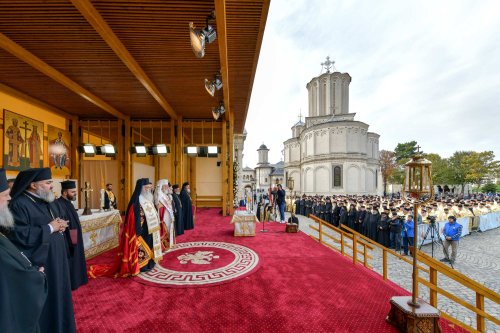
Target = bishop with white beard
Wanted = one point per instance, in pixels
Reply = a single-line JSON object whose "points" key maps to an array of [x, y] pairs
{"points": [[39, 233]]}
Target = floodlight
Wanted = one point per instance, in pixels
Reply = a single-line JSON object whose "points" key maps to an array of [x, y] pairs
{"points": [[107, 150], [213, 151], [159, 149], [139, 149], [192, 151], [200, 37], [88, 149], [215, 84]]}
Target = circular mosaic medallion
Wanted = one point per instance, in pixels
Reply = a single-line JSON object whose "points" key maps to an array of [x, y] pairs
{"points": [[202, 264]]}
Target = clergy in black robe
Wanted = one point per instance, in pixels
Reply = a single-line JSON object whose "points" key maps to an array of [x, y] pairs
{"points": [[302, 206], [308, 207], [351, 216], [328, 210], [383, 229], [372, 225], [297, 206], [343, 215], [23, 287], [77, 264], [360, 218], [187, 207], [177, 205], [336, 214], [39, 233]]}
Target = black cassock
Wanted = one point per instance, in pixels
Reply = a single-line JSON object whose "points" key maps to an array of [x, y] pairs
{"points": [[187, 211], [32, 236], [23, 290], [77, 264], [179, 225]]}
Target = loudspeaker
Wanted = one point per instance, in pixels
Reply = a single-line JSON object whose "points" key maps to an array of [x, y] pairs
{"points": [[218, 163]]}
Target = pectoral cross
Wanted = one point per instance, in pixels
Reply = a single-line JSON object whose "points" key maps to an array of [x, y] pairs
{"points": [[86, 193]]}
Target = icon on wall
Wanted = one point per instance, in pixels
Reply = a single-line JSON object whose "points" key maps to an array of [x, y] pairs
{"points": [[23, 142], [59, 151]]}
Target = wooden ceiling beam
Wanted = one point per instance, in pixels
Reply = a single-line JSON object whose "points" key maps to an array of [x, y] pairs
{"points": [[95, 19], [220, 17], [24, 55]]}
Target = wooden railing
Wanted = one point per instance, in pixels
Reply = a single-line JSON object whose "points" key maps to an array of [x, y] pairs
{"points": [[434, 267]]}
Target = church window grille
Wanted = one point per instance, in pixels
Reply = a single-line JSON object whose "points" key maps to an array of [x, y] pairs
{"points": [[337, 176]]}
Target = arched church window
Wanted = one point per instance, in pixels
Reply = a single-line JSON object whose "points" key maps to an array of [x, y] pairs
{"points": [[337, 176], [376, 179], [265, 180]]}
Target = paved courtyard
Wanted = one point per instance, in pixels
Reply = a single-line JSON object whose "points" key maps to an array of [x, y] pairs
{"points": [[478, 258]]}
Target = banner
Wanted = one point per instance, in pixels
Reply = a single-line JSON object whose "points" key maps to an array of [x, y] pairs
{"points": [[489, 221]]}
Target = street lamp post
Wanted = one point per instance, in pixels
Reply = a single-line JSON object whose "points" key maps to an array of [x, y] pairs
{"points": [[407, 313]]}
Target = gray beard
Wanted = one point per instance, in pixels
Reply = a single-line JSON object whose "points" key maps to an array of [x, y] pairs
{"points": [[6, 218], [45, 196], [147, 196]]}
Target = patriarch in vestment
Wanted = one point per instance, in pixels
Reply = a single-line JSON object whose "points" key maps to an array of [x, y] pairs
{"points": [[164, 204], [140, 244]]}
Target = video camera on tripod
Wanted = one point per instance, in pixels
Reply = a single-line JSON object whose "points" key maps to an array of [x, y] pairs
{"points": [[431, 219]]}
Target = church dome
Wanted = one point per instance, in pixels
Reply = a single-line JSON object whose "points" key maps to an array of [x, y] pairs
{"points": [[299, 123], [262, 146]]}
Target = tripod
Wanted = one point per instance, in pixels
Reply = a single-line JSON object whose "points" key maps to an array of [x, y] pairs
{"points": [[435, 239]]}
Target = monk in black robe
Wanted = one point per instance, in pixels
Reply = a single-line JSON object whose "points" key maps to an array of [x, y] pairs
{"points": [[23, 287], [187, 207], [177, 204], [39, 233], [77, 264]]}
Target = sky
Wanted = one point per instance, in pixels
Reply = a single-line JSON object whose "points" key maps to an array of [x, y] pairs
{"points": [[427, 71]]}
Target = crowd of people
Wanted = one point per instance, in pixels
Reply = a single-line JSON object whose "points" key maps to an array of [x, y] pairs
{"points": [[389, 221], [41, 245]]}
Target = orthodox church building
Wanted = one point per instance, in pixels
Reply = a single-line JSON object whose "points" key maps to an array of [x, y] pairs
{"points": [[331, 153]]}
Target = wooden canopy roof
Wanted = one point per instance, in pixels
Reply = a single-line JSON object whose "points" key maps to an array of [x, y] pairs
{"points": [[105, 59]]}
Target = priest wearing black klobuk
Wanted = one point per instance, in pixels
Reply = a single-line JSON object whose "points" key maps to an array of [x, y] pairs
{"points": [[74, 237], [23, 287], [187, 207], [140, 243], [177, 204], [39, 233]]}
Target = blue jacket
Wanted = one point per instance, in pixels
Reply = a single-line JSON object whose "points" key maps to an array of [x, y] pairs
{"points": [[453, 230], [408, 227]]}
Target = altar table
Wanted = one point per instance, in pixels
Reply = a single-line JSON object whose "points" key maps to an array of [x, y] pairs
{"points": [[244, 223], [100, 231]]}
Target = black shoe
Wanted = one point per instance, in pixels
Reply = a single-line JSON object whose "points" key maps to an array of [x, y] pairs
{"points": [[452, 262], [444, 260]]}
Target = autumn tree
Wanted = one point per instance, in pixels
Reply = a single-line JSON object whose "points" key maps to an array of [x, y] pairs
{"points": [[387, 166]]}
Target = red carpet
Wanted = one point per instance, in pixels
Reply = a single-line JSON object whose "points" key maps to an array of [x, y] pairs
{"points": [[301, 286]]}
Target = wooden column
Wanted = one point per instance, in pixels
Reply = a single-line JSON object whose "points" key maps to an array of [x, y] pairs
{"points": [[224, 163], [75, 154], [173, 149], [127, 180], [231, 163], [120, 149], [179, 158]]}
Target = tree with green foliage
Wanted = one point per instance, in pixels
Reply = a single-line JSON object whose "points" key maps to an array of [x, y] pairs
{"points": [[440, 169], [490, 187], [481, 165], [458, 168], [404, 151]]}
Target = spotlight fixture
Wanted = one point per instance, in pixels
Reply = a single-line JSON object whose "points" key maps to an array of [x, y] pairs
{"points": [[200, 37], [88, 150], [108, 150], [139, 149], [215, 84], [218, 111], [213, 151], [192, 151]]}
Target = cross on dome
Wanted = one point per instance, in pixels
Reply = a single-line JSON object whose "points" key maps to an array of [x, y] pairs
{"points": [[327, 64]]}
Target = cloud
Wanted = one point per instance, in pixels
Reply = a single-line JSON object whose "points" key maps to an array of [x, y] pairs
{"points": [[424, 71]]}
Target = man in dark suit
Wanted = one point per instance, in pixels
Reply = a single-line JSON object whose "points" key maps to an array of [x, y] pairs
{"points": [[280, 201]]}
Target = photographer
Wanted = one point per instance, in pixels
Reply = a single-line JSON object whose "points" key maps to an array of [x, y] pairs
{"points": [[280, 202], [395, 229], [408, 233], [451, 232]]}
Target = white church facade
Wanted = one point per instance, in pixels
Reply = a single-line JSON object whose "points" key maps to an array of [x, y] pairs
{"points": [[331, 153]]}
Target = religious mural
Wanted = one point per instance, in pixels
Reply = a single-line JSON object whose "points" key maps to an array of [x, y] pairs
{"points": [[23, 142], [59, 151]]}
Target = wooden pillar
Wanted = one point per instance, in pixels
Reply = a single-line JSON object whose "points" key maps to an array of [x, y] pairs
{"points": [[75, 154], [192, 178], [127, 179], [179, 154], [231, 163], [173, 149], [224, 163], [120, 149]]}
